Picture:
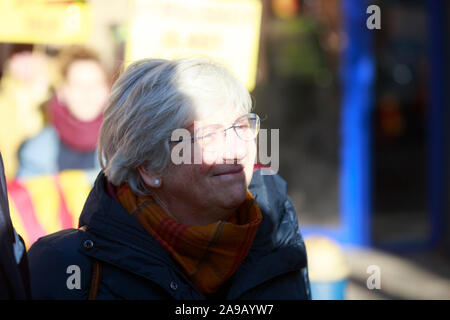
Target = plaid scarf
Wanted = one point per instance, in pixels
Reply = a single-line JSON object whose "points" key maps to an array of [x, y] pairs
{"points": [[209, 255]]}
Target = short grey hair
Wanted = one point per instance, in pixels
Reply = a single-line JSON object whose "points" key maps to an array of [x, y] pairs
{"points": [[151, 99]]}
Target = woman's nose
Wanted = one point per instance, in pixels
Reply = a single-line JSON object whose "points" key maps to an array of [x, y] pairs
{"points": [[235, 149]]}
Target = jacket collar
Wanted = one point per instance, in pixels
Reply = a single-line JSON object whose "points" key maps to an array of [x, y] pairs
{"points": [[120, 240]]}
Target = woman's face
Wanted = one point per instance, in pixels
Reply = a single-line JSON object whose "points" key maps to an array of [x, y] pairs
{"points": [[220, 179], [85, 90]]}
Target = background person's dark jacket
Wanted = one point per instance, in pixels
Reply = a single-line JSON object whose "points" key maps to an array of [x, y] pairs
{"points": [[14, 280], [135, 266]]}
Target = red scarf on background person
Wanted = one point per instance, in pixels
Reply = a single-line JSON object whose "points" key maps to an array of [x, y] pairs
{"points": [[79, 135], [209, 255]]}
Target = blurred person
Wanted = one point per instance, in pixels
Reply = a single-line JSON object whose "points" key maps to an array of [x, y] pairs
{"points": [[75, 116], [24, 87], [154, 229], [14, 275], [45, 204]]}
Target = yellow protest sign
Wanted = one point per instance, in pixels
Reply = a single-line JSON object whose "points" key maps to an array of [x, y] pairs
{"points": [[38, 21], [226, 31]]}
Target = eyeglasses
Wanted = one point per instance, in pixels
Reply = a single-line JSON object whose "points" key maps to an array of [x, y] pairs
{"points": [[246, 128]]}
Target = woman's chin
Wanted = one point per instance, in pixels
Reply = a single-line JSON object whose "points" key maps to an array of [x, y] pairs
{"points": [[234, 196]]}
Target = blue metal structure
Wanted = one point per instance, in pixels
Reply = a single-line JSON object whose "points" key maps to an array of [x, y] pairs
{"points": [[436, 143], [357, 75]]}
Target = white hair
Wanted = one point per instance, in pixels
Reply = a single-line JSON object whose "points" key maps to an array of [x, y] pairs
{"points": [[152, 98]]}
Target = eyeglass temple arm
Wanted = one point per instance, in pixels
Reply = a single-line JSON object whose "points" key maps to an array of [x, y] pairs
{"points": [[182, 139]]}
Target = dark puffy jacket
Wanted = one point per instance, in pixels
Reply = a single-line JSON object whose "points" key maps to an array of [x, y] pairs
{"points": [[135, 266]]}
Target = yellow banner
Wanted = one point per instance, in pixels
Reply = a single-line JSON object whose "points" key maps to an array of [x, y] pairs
{"points": [[226, 31], [39, 21]]}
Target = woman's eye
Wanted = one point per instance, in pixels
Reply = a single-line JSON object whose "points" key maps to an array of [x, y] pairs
{"points": [[242, 126], [208, 136]]}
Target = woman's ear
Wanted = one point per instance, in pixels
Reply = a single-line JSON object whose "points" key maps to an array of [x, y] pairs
{"points": [[150, 179]]}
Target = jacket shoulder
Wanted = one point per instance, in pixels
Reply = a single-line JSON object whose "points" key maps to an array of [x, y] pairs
{"points": [[270, 192], [278, 239], [57, 269]]}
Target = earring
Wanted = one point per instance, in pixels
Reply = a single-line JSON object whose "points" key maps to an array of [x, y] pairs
{"points": [[157, 181]]}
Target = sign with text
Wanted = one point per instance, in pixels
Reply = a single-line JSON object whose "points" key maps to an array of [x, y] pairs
{"points": [[226, 31], [38, 21]]}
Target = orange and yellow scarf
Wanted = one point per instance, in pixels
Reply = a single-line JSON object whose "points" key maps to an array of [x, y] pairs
{"points": [[210, 254]]}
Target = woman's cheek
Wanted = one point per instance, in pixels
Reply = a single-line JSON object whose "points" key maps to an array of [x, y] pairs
{"points": [[209, 157]]}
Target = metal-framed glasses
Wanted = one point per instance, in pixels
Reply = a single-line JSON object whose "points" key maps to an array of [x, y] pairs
{"points": [[246, 128]]}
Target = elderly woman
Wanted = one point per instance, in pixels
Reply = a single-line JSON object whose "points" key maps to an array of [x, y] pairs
{"points": [[173, 214]]}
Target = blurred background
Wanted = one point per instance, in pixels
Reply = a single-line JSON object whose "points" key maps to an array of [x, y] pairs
{"points": [[363, 118]]}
